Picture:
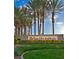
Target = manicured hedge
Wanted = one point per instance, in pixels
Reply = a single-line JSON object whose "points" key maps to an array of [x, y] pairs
{"points": [[18, 41]]}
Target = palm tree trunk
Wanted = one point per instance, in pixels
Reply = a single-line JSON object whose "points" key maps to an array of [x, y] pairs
{"points": [[21, 31], [40, 26], [15, 30], [18, 31], [53, 22], [31, 30], [24, 30], [34, 23], [43, 23], [38, 23]]}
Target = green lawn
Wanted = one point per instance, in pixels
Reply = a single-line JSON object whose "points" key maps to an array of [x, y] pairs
{"points": [[41, 51], [45, 54]]}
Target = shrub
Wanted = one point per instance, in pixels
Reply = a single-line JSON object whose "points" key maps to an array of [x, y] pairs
{"points": [[38, 41], [17, 40]]}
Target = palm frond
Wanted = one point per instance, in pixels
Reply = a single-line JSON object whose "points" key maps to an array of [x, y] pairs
{"points": [[57, 5]]}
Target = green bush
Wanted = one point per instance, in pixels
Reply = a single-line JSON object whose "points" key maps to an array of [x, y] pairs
{"points": [[17, 41], [38, 41]]}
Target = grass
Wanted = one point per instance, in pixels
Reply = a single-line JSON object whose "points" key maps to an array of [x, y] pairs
{"points": [[41, 51], [28, 47], [45, 54]]}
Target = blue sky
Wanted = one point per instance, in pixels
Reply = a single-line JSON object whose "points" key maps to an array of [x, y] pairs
{"points": [[59, 20]]}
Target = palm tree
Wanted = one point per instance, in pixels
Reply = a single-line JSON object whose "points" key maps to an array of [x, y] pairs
{"points": [[38, 7], [57, 6], [35, 5], [29, 23], [20, 19], [43, 3], [29, 26], [27, 20], [17, 21], [24, 19], [38, 21]]}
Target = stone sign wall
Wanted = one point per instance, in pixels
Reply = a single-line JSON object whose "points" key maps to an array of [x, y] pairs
{"points": [[46, 37]]}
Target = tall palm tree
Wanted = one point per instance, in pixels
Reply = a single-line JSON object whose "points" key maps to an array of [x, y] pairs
{"points": [[42, 3], [38, 22], [29, 26], [24, 19], [35, 5], [27, 19], [57, 6], [29, 22], [17, 21]]}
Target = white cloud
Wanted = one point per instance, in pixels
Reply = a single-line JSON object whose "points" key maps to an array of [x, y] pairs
{"points": [[55, 17], [49, 17], [20, 7], [62, 30], [59, 23], [24, 5]]}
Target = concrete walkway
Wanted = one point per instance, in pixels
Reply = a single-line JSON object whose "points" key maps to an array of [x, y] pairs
{"points": [[17, 57]]}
